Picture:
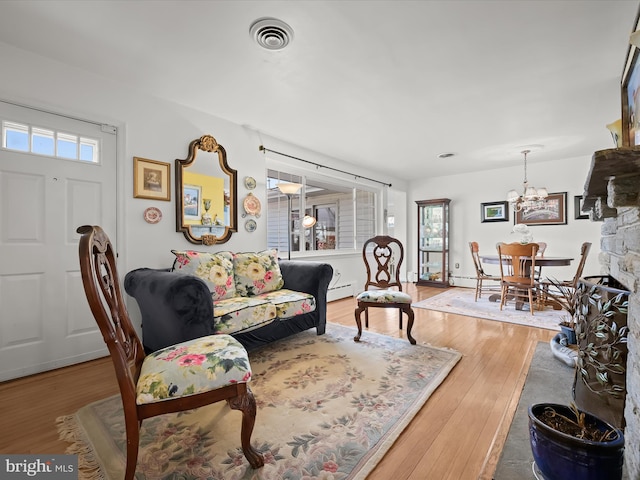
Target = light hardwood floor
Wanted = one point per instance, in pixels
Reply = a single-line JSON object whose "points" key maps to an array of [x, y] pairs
{"points": [[457, 435]]}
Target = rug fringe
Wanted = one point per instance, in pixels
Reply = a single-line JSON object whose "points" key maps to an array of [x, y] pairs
{"points": [[69, 431]]}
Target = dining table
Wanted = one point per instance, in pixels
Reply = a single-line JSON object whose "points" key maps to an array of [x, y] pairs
{"points": [[540, 262]]}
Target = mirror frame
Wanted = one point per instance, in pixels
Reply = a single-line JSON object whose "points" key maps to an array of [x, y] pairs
{"points": [[206, 143]]}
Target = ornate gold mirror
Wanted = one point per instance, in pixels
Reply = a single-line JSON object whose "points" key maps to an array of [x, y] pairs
{"points": [[206, 192]]}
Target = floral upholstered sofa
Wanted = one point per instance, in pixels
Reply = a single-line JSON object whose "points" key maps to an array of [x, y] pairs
{"points": [[253, 296]]}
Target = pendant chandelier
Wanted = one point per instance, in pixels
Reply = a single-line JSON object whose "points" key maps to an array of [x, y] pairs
{"points": [[531, 198]]}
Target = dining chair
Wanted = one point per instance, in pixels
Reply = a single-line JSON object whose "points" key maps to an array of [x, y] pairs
{"points": [[481, 275], [383, 256], [174, 379], [547, 288], [517, 272], [542, 246]]}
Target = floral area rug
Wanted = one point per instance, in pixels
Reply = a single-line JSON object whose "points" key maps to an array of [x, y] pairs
{"points": [[328, 408], [461, 301]]}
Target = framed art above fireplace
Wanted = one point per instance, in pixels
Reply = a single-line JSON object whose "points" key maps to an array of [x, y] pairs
{"points": [[630, 95]]}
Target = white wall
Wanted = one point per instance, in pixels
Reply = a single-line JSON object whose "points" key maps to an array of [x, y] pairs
{"points": [[153, 128], [156, 129], [468, 191]]}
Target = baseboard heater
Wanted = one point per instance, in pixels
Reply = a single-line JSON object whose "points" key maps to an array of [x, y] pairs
{"points": [[342, 290]]}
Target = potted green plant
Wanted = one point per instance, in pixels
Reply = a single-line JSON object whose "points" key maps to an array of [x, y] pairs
{"points": [[568, 443], [566, 297]]}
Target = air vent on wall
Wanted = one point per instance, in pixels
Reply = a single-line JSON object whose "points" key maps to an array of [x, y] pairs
{"points": [[271, 33]]}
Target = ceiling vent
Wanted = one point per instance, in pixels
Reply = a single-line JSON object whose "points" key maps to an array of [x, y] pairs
{"points": [[271, 33]]}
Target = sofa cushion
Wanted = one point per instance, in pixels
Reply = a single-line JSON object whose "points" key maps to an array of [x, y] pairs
{"points": [[241, 314], [289, 303], [216, 269], [257, 273]]}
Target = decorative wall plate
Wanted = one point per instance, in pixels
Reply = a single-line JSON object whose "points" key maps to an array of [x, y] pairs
{"points": [[250, 225], [249, 183], [252, 205], [152, 215]]}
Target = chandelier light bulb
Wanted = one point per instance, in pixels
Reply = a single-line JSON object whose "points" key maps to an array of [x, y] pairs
{"points": [[532, 198]]}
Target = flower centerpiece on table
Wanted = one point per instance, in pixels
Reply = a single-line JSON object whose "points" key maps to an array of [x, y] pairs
{"points": [[525, 233]]}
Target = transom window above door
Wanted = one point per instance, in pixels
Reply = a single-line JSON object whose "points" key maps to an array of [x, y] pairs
{"points": [[42, 141]]}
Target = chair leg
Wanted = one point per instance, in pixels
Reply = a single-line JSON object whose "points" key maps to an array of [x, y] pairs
{"points": [[531, 300], [542, 293], [358, 312], [503, 296], [246, 403], [366, 317], [133, 441], [400, 320], [409, 312], [478, 289]]}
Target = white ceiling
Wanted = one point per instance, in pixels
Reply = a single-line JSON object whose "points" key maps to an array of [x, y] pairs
{"points": [[382, 84]]}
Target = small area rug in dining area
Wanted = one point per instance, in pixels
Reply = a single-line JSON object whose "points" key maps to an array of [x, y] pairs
{"points": [[328, 407], [461, 301]]}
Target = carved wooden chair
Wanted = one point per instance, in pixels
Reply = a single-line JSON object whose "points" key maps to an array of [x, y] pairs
{"points": [[481, 275], [517, 272], [176, 378], [383, 256]]}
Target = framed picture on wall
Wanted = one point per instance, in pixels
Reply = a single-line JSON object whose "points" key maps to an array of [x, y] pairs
{"points": [[494, 212], [191, 195], [151, 179], [552, 212], [630, 95], [577, 208]]}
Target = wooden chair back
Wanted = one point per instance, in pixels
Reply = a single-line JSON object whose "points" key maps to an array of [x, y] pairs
{"points": [[102, 288], [383, 256], [518, 262], [475, 254], [542, 246], [584, 252]]}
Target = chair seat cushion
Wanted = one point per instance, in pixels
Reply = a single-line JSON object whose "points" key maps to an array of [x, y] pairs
{"points": [[384, 296], [196, 366]]}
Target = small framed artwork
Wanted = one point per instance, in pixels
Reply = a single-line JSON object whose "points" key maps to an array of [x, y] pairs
{"points": [[552, 212], [577, 208], [630, 95], [191, 195], [151, 179], [495, 212]]}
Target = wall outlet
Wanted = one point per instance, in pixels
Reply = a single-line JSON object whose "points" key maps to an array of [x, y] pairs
{"points": [[457, 265]]}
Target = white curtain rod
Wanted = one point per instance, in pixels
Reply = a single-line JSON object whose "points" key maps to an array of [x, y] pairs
{"points": [[263, 149]]}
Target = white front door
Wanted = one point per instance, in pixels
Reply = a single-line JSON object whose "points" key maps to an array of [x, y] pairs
{"points": [[45, 321]]}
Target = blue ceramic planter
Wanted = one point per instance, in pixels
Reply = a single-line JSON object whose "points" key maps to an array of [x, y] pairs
{"points": [[570, 334], [560, 456]]}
